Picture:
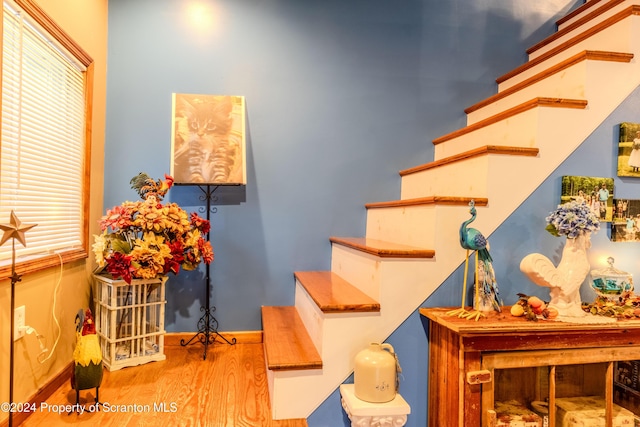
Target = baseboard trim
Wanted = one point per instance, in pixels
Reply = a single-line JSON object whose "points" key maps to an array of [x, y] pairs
{"points": [[43, 394], [242, 337]]}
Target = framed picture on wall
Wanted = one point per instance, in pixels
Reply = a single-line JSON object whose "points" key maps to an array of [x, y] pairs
{"points": [[208, 139], [625, 225], [629, 150], [596, 192]]}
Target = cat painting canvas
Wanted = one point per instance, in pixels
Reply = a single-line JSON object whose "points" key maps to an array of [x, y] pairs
{"points": [[208, 139]]}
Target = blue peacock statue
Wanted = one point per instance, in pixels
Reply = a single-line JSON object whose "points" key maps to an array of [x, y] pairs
{"points": [[487, 297]]}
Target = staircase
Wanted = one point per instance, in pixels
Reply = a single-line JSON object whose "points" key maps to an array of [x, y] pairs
{"points": [[513, 140]]}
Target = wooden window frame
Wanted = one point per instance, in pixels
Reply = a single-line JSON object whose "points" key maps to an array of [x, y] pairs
{"points": [[44, 261]]}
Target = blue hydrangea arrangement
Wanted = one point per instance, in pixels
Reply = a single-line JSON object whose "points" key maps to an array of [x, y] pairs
{"points": [[572, 219]]}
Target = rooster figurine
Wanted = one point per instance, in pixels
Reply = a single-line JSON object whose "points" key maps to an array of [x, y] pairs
{"points": [[486, 288], [147, 186], [565, 280], [87, 356]]}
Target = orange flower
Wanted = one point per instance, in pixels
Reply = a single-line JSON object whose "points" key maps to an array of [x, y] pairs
{"points": [[144, 239]]}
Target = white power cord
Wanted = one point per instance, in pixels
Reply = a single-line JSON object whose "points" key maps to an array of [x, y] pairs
{"points": [[29, 330], [41, 338]]}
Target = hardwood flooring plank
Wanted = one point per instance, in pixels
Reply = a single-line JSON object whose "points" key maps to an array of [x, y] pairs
{"points": [[229, 389]]}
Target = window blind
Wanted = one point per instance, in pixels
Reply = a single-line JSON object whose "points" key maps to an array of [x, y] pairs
{"points": [[42, 145]]}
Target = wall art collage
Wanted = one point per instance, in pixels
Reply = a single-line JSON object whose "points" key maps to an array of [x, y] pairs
{"points": [[598, 192]]}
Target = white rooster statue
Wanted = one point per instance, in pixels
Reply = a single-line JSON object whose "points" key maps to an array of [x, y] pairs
{"points": [[576, 221], [564, 281]]}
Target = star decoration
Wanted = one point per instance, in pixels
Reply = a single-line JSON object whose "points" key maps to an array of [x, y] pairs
{"points": [[15, 229]]}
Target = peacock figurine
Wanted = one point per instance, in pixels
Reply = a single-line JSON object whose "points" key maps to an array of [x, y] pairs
{"points": [[487, 297]]}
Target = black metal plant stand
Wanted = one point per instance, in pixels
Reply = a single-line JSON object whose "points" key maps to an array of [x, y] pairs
{"points": [[207, 325]]}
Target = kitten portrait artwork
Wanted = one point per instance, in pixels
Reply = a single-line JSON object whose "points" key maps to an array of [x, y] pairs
{"points": [[629, 150], [208, 139]]}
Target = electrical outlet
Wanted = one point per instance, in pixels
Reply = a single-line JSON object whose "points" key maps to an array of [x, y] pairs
{"points": [[19, 322]]}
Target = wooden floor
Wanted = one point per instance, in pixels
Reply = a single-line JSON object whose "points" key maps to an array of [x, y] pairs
{"points": [[228, 389]]}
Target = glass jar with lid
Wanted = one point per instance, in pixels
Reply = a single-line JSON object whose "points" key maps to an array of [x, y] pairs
{"points": [[610, 283]]}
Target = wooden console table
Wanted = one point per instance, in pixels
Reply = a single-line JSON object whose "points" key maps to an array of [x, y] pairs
{"points": [[467, 359]]}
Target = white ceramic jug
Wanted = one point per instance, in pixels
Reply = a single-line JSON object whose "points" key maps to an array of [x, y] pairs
{"points": [[376, 373]]}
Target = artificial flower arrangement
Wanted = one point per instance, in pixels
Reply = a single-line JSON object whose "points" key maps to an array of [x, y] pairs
{"points": [[145, 239], [572, 219]]}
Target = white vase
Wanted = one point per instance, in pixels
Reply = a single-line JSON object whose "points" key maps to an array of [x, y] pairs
{"points": [[575, 267], [375, 374]]}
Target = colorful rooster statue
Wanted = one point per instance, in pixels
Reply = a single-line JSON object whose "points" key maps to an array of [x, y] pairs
{"points": [[87, 356], [487, 297], [147, 186]]}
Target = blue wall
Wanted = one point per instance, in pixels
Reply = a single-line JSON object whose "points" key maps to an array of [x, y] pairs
{"points": [[340, 95]]}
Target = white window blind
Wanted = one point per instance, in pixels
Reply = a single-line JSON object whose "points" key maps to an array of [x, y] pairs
{"points": [[42, 149]]}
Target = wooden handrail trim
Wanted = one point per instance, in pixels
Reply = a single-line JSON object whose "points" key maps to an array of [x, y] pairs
{"points": [[582, 56], [631, 10], [525, 106], [382, 249], [432, 200], [476, 152], [610, 4]]}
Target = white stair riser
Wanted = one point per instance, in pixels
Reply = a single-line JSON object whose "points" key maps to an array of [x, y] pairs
{"points": [[593, 22], [406, 225], [591, 10], [517, 131], [568, 22], [359, 269], [310, 314], [581, 81], [541, 127], [615, 38], [444, 180], [569, 83], [367, 272]]}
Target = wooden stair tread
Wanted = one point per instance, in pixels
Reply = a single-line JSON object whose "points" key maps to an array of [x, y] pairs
{"points": [[525, 106], [582, 56], [481, 151], [431, 200], [333, 294], [631, 10], [287, 343], [383, 248]]}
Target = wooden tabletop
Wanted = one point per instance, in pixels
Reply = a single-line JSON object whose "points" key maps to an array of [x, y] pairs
{"points": [[505, 322]]}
